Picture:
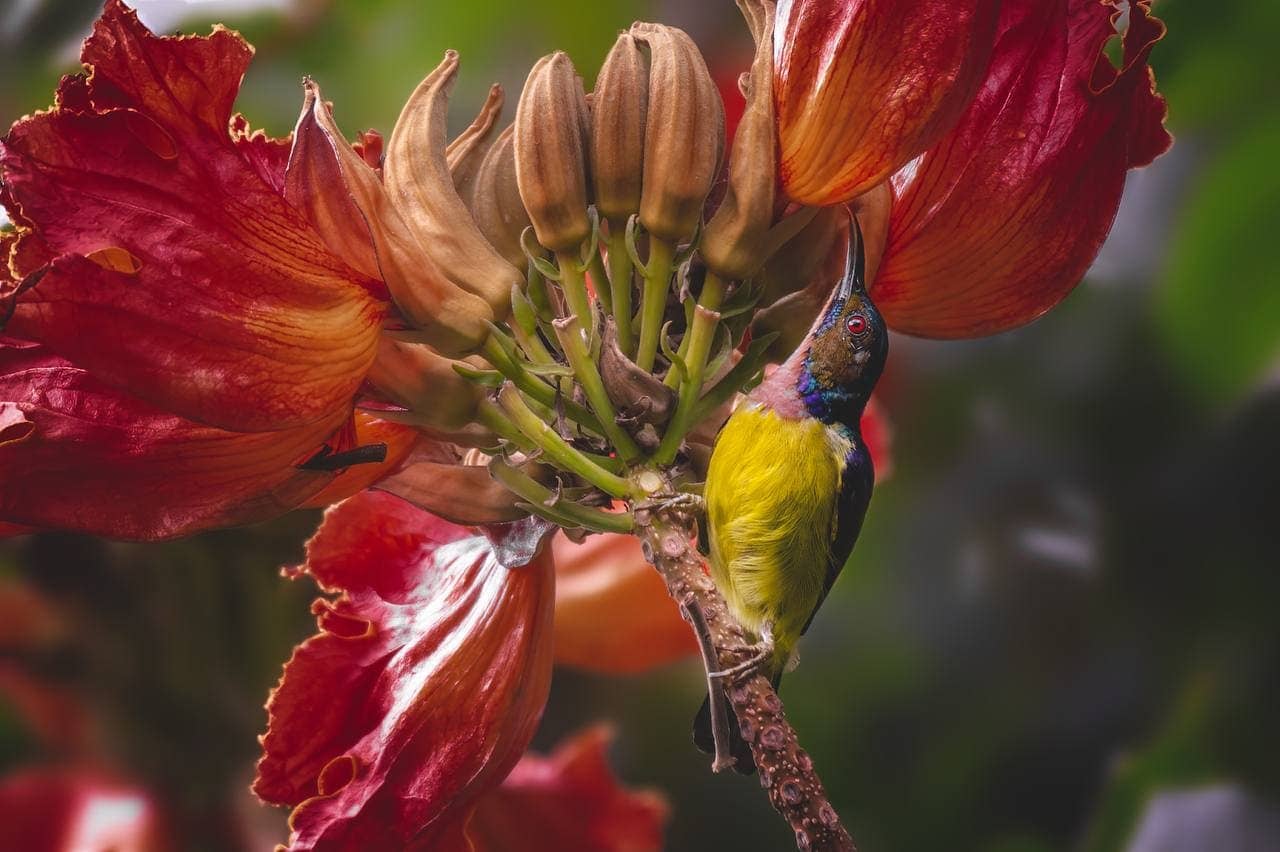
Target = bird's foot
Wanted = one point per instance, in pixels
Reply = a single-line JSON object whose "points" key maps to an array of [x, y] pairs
{"points": [[679, 500], [761, 653]]}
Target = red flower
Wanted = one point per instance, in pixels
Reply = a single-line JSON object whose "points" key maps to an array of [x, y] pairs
{"points": [[863, 86], [421, 692], [422, 689], [197, 338], [53, 810], [1015, 187]]}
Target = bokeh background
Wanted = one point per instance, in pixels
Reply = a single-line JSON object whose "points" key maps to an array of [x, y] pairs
{"points": [[1059, 631]]}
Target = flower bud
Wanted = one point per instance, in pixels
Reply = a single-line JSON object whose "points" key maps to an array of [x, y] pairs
{"points": [[495, 199], [684, 133], [466, 152], [552, 126], [734, 244], [449, 318], [424, 382], [416, 175], [618, 108]]}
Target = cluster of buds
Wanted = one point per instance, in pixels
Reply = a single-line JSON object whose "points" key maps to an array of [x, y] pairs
{"points": [[588, 378]]}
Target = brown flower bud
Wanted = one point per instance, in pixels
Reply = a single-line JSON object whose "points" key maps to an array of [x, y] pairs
{"points": [[684, 133], [552, 126], [466, 152], [618, 108], [416, 174], [424, 382], [448, 317], [734, 245], [495, 199]]}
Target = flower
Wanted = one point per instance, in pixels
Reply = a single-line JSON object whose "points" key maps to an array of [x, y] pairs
{"points": [[422, 691], [1004, 130], [180, 340]]}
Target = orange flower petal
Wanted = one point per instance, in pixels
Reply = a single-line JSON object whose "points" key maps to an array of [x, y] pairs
{"points": [[863, 86], [400, 441], [613, 613], [568, 800], [95, 460], [180, 272], [1001, 219], [420, 692]]}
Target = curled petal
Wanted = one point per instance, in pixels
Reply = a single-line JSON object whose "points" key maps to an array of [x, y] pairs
{"points": [[467, 151], [420, 184], [313, 183], [181, 274], [95, 460], [51, 810], [568, 800], [421, 690], [864, 86], [448, 317], [1001, 219], [613, 613]]}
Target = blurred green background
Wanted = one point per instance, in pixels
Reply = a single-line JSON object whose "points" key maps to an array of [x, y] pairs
{"points": [[1064, 605]]}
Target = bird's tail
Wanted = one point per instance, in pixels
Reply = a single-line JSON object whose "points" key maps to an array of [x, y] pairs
{"points": [[744, 762]]}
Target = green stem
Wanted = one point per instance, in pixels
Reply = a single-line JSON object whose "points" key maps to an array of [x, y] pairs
{"points": [[574, 285], [701, 334], [711, 298], [536, 388], [569, 331], [620, 270], [557, 450], [653, 304], [566, 513], [600, 280]]}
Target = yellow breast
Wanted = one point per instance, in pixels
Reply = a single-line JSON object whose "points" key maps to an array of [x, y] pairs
{"points": [[771, 493]]}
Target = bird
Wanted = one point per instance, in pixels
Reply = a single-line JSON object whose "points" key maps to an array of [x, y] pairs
{"points": [[790, 479]]}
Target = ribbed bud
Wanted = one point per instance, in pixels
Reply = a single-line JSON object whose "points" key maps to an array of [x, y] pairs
{"points": [[552, 128], [416, 175], [684, 133], [618, 109], [734, 245], [495, 199]]}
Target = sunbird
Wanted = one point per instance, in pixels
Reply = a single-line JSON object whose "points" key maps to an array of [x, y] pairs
{"points": [[790, 479]]}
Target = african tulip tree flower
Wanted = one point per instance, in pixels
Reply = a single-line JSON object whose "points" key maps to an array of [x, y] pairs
{"points": [[523, 329], [1003, 127]]}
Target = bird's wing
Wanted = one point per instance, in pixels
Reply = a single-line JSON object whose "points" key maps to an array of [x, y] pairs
{"points": [[856, 482]]}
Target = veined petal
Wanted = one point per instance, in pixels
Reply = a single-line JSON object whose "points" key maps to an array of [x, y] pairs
{"points": [[613, 613], [863, 86], [568, 800], [91, 459], [1000, 220], [181, 275], [421, 690]]}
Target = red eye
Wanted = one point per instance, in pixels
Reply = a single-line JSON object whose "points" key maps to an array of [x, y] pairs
{"points": [[856, 323]]}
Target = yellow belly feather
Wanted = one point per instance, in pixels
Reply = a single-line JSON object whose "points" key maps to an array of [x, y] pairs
{"points": [[771, 499]]}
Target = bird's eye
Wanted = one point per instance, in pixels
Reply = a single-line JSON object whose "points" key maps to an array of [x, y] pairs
{"points": [[856, 323]]}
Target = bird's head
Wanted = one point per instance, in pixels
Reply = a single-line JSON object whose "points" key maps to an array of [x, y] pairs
{"points": [[847, 347]]}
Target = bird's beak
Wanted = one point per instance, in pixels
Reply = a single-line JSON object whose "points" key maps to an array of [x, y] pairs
{"points": [[855, 264]]}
